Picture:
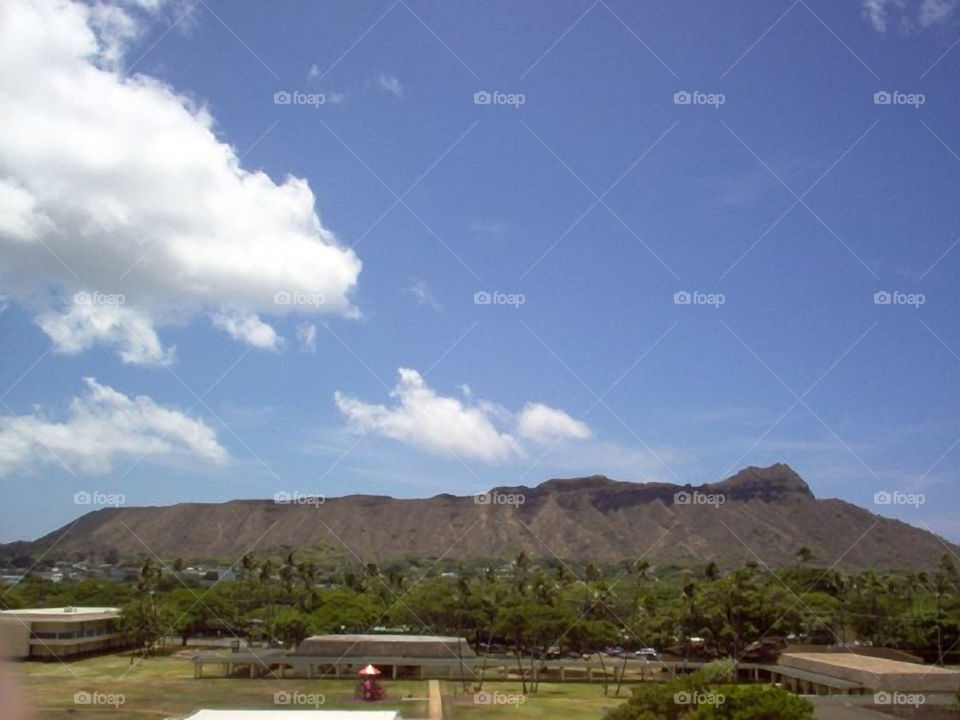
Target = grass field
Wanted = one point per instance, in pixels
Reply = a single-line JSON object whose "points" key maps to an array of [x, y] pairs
{"points": [[163, 687], [552, 700]]}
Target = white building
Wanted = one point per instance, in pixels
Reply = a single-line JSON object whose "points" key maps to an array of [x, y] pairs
{"points": [[51, 633], [286, 715]]}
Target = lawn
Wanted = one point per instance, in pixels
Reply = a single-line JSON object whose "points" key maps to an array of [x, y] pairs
{"points": [[575, 701], [161, 687]]}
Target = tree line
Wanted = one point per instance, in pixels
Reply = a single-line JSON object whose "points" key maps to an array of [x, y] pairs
{"points": [[531, 608]]}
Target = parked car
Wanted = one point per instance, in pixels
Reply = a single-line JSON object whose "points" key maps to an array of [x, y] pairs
{"points": [[766, 650]]}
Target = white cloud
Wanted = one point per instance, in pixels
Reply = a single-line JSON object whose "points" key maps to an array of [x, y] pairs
{"points": [[934, 12], [444, 425], [488, 228], [21, 220], [84, 326], [431, 422], [544, 424], [927, 13], [390, 84], [422, 294], [120, 185], [248, 328], [307, 335], [102, 425], [875, 11]]}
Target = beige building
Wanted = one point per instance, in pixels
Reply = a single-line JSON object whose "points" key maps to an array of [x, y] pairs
{"points": [[806, 672], [420, 656], [51, 633]]}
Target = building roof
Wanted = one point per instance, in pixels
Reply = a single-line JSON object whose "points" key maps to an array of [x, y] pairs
{"points": [[390, 638], [63, 614], [875, 672], [374, 646], [286, 715]]}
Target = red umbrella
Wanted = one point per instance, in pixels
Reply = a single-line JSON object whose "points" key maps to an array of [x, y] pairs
{"points": [[369, 670]]}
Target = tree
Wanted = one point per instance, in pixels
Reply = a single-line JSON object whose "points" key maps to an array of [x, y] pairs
{"points": [[290, 626], [945, 582], [190, 618], [696, 696], [248, 567], [689, 614], [147, 621], [343, 610], [711, 571], [755, 702], [147, 617]]}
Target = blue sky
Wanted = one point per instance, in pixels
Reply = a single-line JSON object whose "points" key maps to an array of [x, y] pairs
{"points": [[596, 199]]}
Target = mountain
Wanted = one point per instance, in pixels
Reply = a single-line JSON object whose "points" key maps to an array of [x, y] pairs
{"points": [[759, 514]]}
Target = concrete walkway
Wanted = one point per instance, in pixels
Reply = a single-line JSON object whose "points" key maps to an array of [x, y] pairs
{"points": [[434, 701]]}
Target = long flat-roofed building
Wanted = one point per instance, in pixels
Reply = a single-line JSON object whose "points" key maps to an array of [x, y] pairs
{"points": [[802, 671], [52, 633], [422, 656], [369, 646]]}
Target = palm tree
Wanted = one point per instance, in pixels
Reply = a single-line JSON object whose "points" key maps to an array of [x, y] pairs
{"points": [[247, 566], [307, 575], [520, 564], [711, 571], [944, 582], [265, 578]]}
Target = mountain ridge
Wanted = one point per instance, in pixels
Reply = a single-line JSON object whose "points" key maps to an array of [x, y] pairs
{"points": [[758, 514]]}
